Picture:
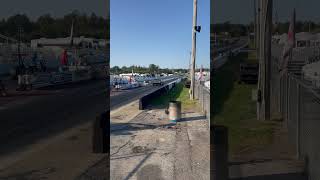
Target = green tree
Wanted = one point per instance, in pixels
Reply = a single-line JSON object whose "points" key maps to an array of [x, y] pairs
{"points": [[18, 21], [153, 69]]}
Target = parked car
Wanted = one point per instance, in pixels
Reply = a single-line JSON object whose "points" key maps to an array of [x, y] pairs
{"points": [[157, 82]]}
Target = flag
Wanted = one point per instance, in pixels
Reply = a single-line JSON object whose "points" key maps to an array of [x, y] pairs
{"points": [[64, 58], [131, 77], [290, 44], [201, 74]]}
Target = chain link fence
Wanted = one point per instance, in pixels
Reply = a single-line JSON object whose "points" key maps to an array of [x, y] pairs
{"points": [[298, 103], [202, 94]]}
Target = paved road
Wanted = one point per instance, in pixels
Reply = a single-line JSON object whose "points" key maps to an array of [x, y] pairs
{"points": [[25, 123], [127, 96], [44, 116], [221, 60], [38, 119]]}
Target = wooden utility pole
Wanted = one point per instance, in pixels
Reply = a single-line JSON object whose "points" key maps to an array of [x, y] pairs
{"points": [[265, 60], [268, 59], [255, 23], [193, 51], [258, 9], [259, 57]]}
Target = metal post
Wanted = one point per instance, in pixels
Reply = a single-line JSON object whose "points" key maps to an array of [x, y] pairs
{"points": [[286, 77], [193, 55], [288, 101], [298, 124]]}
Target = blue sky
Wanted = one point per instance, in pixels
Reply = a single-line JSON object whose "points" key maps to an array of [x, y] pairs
{"points": [[158, 32]]}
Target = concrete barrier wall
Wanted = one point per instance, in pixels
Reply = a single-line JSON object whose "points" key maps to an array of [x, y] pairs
{"points": [[57, 78], [146, 99]]}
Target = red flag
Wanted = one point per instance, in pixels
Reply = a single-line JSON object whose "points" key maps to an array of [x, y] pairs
{"points": [[290, 44], [64, 58]]}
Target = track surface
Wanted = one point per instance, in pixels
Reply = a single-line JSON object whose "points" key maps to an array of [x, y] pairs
{"points": [[40, 117]]}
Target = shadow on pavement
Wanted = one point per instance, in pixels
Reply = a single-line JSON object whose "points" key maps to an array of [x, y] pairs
{"points": [[10, 95], [71, 85], [31, 174], [288, 176], [137, 167], [127, 128], [192, 118]]}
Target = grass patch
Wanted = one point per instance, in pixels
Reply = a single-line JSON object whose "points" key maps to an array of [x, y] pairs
{"points": [[177, 93], [186, 103], [251, 43], [252, 57], [235, 109]]}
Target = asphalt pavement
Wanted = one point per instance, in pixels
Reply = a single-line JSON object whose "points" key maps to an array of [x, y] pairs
{"points": [[127, 96], [25, 123]]}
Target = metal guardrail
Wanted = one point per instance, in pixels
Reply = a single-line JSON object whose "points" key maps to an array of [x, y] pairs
{"points": [[61, 78], [49, 79], [42, 80], [202, 94], [298, 102], [221, 60], [145, 100]]}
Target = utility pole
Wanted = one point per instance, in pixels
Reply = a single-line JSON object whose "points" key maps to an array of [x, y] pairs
{"points": [[268, 59], [259, 57], [255, 23], [258, 9], [265, 60], [190, 62], [276, 22], [195, 29]]}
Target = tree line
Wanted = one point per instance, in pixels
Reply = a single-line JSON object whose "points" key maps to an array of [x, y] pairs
{"points": [[236, 30], [301, 26], [151, 69], [53, 27]]}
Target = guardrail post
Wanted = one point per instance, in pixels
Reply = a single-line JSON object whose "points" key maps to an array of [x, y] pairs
{"points": [[287, 100], [100, 139], [298, 122], [203, 98]]}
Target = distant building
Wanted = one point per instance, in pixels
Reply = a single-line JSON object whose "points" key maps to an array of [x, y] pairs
{"points": [[303, 39], [82, 41]]}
